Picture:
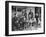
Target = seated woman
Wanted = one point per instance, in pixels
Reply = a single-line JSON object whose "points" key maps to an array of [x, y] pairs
{"points": [[31, 18]]}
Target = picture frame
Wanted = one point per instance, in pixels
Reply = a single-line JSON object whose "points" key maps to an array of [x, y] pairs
{"points": [[13, 9]]}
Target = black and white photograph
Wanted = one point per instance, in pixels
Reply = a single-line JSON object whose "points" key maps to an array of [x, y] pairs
{"points": [[25, 18]]}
